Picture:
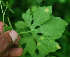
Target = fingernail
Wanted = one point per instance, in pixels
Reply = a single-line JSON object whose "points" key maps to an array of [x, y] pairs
{"points": [[13, 35]]}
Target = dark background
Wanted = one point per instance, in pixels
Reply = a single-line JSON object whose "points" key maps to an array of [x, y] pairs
{"points": [[60, 8]]}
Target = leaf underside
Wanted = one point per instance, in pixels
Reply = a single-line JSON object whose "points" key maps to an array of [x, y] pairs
{"points": [[44, 29]]}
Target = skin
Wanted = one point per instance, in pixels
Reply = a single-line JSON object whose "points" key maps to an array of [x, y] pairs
{"points": [[6, 42], [1, 27]]}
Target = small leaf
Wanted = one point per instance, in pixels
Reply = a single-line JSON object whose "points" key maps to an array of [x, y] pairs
{"points": [[20, 25]]}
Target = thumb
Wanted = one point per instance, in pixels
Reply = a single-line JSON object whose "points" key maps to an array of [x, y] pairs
{"points": [[6, 40]]}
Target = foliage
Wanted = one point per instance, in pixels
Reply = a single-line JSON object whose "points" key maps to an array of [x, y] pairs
{"points": [[43, 29]]}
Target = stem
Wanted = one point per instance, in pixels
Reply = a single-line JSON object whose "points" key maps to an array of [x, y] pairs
{"points": [[9, 22], [24, 32], [3, 19], [3, 12]]}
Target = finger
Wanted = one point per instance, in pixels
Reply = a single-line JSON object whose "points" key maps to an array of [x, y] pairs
{"points": [[15, 51], [6, 54], [1, 30], [6, 40], [1, 26]]}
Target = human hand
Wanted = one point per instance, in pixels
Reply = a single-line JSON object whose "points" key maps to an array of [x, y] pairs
{"points": [[7, 39]]}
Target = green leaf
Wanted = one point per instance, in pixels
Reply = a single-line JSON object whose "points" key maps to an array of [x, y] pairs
{"points": [[53, 28], [42, 32], [50, 31], [27, 18], [41, 15], [30, 45], [20, 25]]}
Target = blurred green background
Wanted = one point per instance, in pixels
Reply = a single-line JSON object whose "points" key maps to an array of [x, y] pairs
{"points": [[60, 8]]}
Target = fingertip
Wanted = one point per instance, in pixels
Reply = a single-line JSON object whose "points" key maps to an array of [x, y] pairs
{"points": [[14, 35], [21, 49]]}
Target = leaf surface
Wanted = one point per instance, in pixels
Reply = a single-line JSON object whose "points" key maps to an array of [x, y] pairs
{"points": [[42, 32]]}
